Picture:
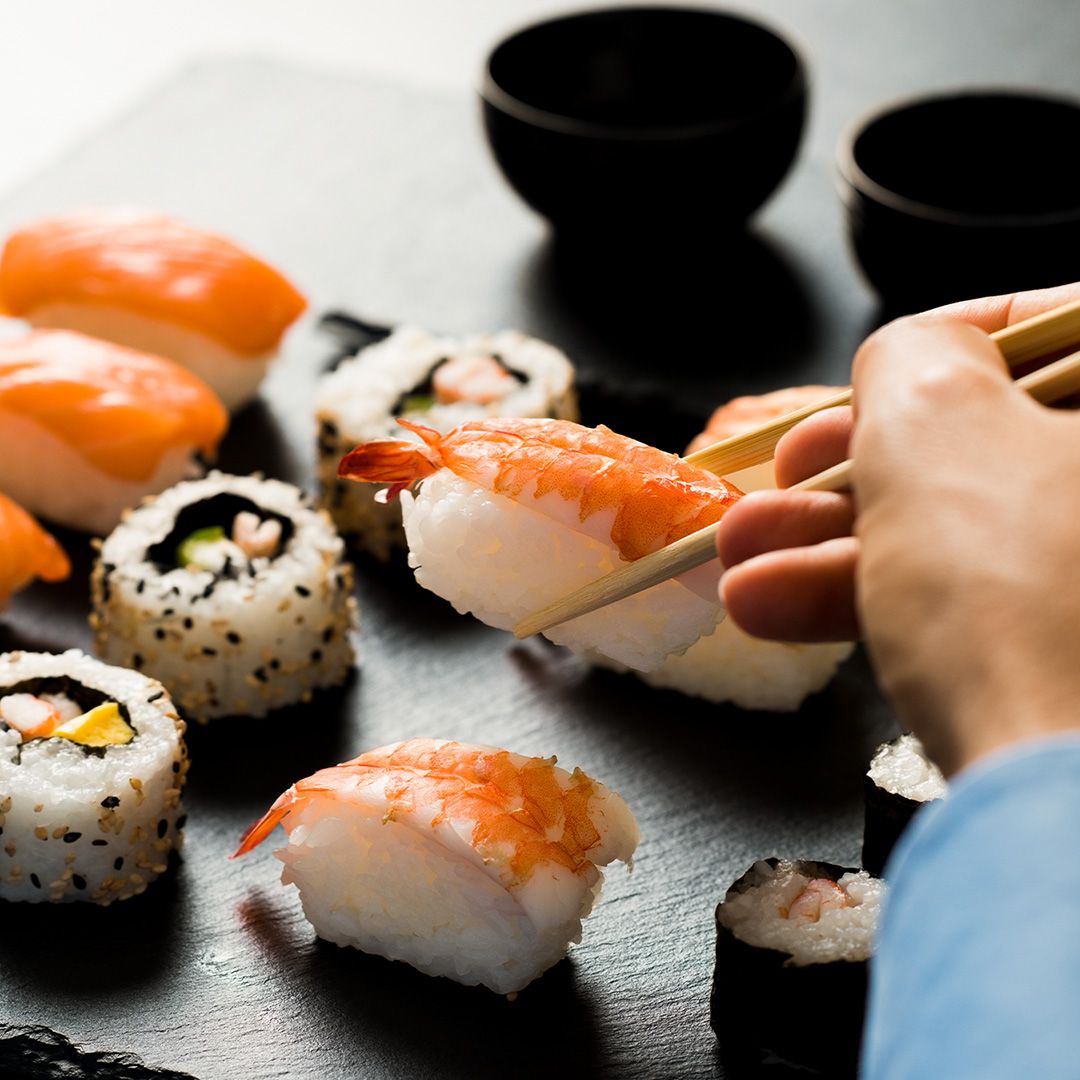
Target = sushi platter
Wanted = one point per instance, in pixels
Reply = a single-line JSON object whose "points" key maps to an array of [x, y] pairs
{"points": [[381, 202]]}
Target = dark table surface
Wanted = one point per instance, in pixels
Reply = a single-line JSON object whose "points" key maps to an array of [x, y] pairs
{"points": [[382, 199]]}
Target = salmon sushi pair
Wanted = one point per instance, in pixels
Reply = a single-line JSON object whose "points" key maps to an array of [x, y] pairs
{"points": [[145, 322], [156, 285]]}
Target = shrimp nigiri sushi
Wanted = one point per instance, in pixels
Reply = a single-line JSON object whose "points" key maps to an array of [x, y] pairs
{"points": [[27, 551], [465, 861], [512, 514], [729, 664], [155, 284], [88, 428]]}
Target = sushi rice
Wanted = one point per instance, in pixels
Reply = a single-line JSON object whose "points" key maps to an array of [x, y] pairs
{"points": [[88, 822], [761, 914]]}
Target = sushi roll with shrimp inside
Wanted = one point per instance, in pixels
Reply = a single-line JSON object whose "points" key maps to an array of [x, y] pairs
{"points": [[793, 940], [27, 551], [92, 763], [465, 861], [154, 284], [232, 590], [439, 382], [88, 428], [511, 514], [900, 781]]}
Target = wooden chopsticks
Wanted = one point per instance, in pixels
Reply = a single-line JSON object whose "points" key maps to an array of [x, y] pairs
{"points": [[1025, 341], [1042, 335]]}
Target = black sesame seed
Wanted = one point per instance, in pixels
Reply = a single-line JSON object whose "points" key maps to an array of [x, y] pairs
{"points": [[327, 634], [78, 881], [108, 568], [260, 674], [119, 863], [162, 828], [316, 655], [176, 766], [275, 665], [1, 830], [189, 623], [71, 837], [99, 843], [140, 586], [233, 637], [153, 697], [137, 661], [168, 611], [303, 590], [208, 590], [110, 802], [207, 651], [181, 821], [159, 634], [35, 881]]}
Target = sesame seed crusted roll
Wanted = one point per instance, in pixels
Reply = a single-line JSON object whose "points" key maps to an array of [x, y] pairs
{"points": [[92, 763], [437, 381], [232, 591]]}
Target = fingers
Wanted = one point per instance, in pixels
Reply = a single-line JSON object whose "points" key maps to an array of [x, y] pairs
{"points": [[801, 594], [771, 520], [812, 446], [992, 313]]}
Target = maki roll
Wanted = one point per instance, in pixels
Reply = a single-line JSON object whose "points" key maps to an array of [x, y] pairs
{"points": [[470, 862], [438, 382], [792, 944], [232, 590], [901, 778], [92, 762]]}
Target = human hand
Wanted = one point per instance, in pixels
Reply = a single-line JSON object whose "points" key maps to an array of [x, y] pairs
{"points": [[959, 572]]}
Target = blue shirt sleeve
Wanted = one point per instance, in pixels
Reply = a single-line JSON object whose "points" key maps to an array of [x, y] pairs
{"points": [[977, 972]]}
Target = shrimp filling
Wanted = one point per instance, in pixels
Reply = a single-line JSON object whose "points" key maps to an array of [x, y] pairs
{"points": [[227, 535], [476, 377]]}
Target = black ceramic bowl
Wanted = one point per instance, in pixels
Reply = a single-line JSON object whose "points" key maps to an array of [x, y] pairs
{"points": [[638, 121], [964, 194]]}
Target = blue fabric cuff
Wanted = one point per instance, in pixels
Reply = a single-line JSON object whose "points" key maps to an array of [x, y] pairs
{"points": [[977, 971]]}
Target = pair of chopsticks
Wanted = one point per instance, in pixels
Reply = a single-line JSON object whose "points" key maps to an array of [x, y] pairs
{"points": [[1021, 343]]}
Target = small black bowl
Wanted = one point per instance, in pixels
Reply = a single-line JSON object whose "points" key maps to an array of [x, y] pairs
{"points": [[963, 194], [640, 121]]}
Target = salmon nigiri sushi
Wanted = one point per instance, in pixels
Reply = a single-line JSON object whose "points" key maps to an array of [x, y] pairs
{"points": [[27, 551], [155, 284], [465, 861], [512, 514], [88, 428]]}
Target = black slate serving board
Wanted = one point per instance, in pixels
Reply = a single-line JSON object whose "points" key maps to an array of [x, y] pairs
{"points": [[381, 199]]}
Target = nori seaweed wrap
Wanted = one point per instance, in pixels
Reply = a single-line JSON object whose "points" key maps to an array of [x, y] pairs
{"points": [[792, 944]]}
